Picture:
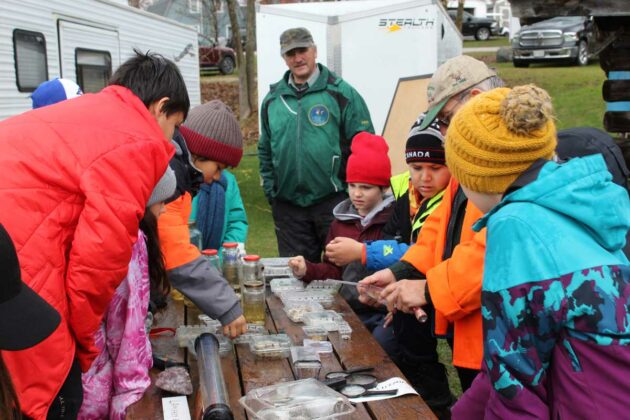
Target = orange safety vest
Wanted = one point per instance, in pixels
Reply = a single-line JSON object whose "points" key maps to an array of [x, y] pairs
{"points": [[454, 284]]}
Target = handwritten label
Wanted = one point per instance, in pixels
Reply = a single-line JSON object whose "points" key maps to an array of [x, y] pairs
{"points": [[394, 383], [175, 408]]}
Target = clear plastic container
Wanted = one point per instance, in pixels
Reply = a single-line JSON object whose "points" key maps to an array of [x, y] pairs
{"points": [[323, 298], [273, 346], [275, 262], [345, 330], [209, 322], [296, 310], [274, 272], [318, 346], [325, 286], [303, 399], [285, 284], [329, 320], [186, 334], [225, 345], [315, 333], [252, 331], [306, 362]]}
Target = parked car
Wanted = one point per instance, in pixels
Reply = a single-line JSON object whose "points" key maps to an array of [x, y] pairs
{"points": [[566, 39], [480, 28], [215, 57]]}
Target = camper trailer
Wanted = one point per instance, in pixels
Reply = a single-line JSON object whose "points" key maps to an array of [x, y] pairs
{"points": [[85, 41], [371, 44]]}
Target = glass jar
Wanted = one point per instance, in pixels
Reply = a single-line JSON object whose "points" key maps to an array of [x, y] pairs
{"points": [[230, 264], [195, 235], [212, 255], [252, 273], [253, 290]]}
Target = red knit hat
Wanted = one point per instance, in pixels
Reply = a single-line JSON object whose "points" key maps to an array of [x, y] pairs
{"points": [[368, 162]]}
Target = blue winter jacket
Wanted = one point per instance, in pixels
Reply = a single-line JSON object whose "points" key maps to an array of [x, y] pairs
{"points": [[555, 293]]}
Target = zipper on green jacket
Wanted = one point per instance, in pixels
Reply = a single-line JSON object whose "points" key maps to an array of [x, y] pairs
{"points": [[298, 148]]}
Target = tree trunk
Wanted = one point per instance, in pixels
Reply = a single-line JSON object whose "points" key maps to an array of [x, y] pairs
{"points": [[250, 68], [460, 15], [243, 102], [215, 20]]}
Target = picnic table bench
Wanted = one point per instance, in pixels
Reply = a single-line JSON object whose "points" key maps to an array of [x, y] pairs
{"points": [[243, 371]]}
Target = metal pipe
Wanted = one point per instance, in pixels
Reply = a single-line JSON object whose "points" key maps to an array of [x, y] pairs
{"points": [[214, 396]]}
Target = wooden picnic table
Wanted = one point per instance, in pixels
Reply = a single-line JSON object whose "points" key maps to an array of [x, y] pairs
{"points": [[243, 371]]}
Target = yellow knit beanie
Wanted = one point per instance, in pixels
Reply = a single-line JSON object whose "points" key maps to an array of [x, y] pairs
{"points": [[497, 135]]}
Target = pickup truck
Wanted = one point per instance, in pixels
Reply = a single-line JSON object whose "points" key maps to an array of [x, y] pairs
{"points": [[480, 28], [565, 39], [215, 57]]}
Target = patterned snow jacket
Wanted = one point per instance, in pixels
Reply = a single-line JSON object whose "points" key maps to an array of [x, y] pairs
{"points": [[555, 297]]}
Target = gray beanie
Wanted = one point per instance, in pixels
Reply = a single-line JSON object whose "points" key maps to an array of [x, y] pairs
{"points": [[211, 131], [164, 189]]}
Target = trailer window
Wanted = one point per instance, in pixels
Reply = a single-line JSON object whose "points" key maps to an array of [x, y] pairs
{"points": [[94, 69], [29, 49]]}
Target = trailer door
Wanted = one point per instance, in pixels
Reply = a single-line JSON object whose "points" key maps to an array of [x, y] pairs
{"points": [[87, 54]]}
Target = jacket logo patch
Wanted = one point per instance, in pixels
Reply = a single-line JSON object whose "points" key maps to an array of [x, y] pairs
{"points": [[388, 250], [318, 115]]}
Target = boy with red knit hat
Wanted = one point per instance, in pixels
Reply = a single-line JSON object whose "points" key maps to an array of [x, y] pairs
{"points": [[360, 217]]}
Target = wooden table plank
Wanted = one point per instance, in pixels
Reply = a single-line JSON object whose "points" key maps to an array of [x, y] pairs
{"points": [[330, 362], [258, 373], [243, 372], [150, 406], [363, 350]]}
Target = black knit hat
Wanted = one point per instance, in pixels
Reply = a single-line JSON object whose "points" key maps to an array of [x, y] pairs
{"points": [[25, 318], [425, 145]]}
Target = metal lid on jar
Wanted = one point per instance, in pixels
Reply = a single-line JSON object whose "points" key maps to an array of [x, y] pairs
{"points": [[209, 252], [230, 244], [251, 258]]}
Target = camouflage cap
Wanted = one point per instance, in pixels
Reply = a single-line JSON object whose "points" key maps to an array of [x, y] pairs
{"points": [[454, 76], [295, 38]]}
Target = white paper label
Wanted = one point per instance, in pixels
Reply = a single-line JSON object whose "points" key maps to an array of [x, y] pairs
{"points": [[175, 408], [394, 383]]}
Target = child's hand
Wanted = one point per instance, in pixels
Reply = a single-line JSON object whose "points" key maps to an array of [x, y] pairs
{"points": [[235, 328], [298, 266], [342, 251]]}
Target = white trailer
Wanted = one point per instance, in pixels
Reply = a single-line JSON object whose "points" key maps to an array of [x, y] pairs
{"points": [[370, 44], [85, 41]]}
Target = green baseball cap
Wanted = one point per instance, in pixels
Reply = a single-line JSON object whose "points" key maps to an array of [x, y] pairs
{"points": [[454, 76], [295, 38]]}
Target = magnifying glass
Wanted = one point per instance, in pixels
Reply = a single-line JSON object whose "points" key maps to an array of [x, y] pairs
{"points": [[356, 391], [347, 372]]}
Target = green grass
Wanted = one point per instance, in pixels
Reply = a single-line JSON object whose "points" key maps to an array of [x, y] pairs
{"points": [[261, 239], [576, 93], [502, 41]]}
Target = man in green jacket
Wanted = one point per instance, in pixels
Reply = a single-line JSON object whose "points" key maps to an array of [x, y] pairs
{"points": [[308, 120]]}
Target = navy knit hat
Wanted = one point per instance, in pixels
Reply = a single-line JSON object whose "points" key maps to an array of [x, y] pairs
{"points": [[425, 145]]}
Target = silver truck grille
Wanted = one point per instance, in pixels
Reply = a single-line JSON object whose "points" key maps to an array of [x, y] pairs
{"points": [[548, 38]]}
